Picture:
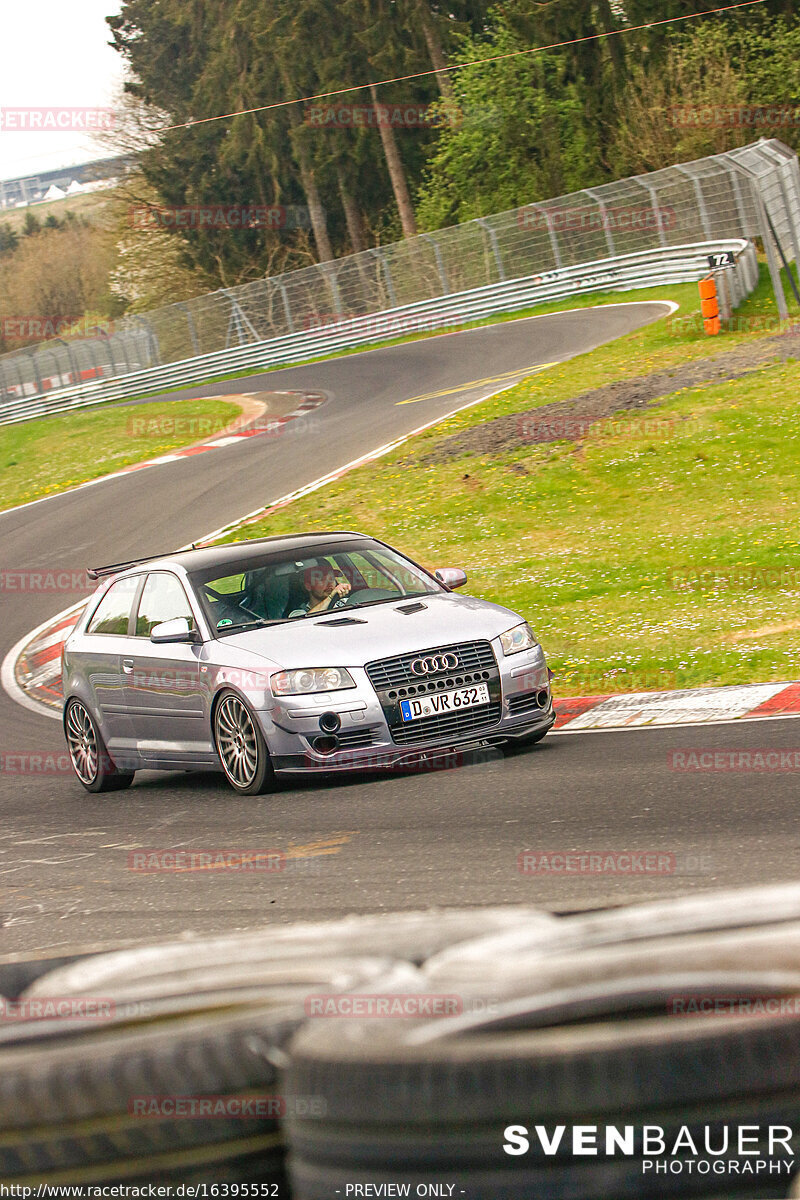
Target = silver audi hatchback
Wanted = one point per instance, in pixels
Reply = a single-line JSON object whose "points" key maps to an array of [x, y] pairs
{"points": [[325, 652]]}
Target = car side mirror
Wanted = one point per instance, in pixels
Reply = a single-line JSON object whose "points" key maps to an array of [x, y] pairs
{"points": [[451, 577], [176, 630]]}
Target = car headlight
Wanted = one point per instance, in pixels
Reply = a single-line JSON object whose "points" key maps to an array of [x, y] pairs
{"points": [[521, 637], [311, 679]]}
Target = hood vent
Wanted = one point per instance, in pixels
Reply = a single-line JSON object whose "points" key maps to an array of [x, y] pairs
{"points": [[408, 609]]}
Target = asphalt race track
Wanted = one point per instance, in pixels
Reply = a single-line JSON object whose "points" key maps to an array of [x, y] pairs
{"points": [[376, 843]]}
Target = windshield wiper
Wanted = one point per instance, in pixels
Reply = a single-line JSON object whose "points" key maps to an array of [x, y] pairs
{"points": [[258, 623]]}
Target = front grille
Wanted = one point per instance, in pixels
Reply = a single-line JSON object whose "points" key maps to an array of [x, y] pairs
{"points": [[447, 725], [356, 739], [524, 704], [396, 672]]}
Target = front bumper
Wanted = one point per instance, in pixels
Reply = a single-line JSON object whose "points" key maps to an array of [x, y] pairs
{"points": [[370, 739]]}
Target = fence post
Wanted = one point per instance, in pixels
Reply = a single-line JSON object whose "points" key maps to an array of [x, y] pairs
{"points": [[606, 227], [329, 271], [238, 320], [548, 216], [192, 327], [437, 253], [732, 168], [381, 257], [482, 221], [152, 340], [701, 200], [653, 194], [287, 308]]}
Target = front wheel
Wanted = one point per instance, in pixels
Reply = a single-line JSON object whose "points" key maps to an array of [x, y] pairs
{"points": [[241, 747], [91, 761]]}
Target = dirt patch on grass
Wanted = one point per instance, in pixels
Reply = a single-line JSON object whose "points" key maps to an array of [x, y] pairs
{"points": [[570, 419], [747, 635]]}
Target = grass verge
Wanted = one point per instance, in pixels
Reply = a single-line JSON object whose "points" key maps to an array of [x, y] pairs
{"points": [[654, 553], [38, 458]]}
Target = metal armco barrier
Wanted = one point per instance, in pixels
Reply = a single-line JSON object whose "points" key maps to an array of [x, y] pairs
{"points": [[635, 231], [679, 264]]}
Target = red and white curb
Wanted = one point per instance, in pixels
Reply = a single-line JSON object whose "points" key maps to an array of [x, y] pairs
{"points": [[34, 667], [270, 427], [258, 427], [692, 706]]}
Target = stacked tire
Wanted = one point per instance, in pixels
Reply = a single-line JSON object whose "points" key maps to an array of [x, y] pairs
{"points": [[682, 1017], [181, 1079]]}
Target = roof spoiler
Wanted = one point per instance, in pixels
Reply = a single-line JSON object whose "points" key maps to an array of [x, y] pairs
{"points": [[113, 568]]}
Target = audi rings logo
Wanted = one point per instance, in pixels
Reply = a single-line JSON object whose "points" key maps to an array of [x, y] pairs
{"points": [[437, 662]]}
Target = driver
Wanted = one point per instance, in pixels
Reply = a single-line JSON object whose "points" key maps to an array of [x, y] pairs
{"points": [[327, 588]]}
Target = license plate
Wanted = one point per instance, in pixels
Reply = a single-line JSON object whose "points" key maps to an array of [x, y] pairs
{"points": [[444, 702]]}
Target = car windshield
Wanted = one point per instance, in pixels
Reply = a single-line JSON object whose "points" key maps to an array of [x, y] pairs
{"points": [[334, 579]]}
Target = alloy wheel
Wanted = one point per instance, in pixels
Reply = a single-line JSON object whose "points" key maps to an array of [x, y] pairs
{"points": [[236, 742], [82, 743]]}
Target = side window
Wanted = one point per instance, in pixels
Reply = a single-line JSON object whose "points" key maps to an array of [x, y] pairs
{"points": [[113, 611], [163, 599]]}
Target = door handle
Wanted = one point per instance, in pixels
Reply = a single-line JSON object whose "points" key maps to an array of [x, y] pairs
{"points": [[127, 664]]}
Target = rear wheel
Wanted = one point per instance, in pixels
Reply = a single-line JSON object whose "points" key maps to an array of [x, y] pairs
{"points": [[241, 747], [90, 759]]}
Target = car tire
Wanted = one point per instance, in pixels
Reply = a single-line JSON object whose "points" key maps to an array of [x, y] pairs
{"points": [[412, 936], [93, 765], [241, 748], [17, 976], [77, 1101], [712, 912]]}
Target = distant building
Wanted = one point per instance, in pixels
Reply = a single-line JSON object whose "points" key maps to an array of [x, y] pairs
{"points": [[34, 189]]}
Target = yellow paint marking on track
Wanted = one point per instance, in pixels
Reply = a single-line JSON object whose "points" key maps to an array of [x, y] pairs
{"points": [[323, 846], [330, 845], [464, 387]]}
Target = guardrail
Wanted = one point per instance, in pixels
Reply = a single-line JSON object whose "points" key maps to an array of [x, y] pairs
{"points": [[648, 268]]}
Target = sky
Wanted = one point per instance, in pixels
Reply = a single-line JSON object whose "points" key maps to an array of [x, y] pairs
{"points": [[54, 54]]}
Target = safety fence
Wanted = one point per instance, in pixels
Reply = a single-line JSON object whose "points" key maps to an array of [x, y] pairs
{"points": [[635, 232]]}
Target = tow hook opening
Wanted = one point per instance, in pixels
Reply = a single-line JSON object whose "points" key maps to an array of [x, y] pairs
{"points": [[325, 745]]}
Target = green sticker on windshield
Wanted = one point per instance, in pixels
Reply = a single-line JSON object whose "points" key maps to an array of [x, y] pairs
{"points": [[224, 621]]}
